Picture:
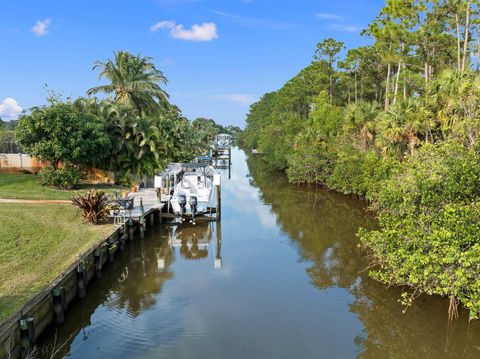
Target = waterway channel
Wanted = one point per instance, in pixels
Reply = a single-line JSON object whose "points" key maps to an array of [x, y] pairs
{"points": [[281, 277]]}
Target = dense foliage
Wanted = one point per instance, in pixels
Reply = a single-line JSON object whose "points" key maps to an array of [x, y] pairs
{"points": [[60, 133], [65, 178], [135, 133], [396, 122]]}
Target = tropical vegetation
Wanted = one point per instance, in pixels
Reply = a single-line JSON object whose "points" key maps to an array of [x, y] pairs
{"points": [[396, 122], [132, 131]]}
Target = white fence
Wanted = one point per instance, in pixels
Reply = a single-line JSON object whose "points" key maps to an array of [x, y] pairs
{"points": [[18, 162]]}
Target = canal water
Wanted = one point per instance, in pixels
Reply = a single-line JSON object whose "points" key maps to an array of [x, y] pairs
{"points": [[281, 277]]}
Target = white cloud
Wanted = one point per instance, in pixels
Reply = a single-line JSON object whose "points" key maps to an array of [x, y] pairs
{"points": [[162, 25], [348, 28], [240, 98], [41, 26], [256, 22], [10, 109], [328, 16], [206, 31]]}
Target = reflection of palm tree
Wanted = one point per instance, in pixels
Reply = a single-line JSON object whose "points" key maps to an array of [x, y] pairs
{"points": [[145, 280], [134, 80]]}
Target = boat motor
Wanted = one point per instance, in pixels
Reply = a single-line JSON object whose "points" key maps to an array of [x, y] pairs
{"points": [[193, 207], [182, 201]]}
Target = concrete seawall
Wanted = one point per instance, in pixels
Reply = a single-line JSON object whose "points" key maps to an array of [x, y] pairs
{"points": [[18, 334]]}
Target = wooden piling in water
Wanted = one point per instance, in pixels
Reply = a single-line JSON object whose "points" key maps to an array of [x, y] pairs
{"points": [[218, 197], [58, 305], [131, 231]]}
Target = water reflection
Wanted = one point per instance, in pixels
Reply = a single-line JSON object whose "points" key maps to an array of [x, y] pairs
{"points": [[293, 285], [194, 241], [322, 225]]}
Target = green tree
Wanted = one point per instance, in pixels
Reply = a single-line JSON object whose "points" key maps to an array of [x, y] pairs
{"points": [[328, 51], [135, 82], [60, 133]]}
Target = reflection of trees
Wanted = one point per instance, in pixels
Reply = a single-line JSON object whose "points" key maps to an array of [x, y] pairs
{"points": [[323, 225], [145, 280], [131, 283]]}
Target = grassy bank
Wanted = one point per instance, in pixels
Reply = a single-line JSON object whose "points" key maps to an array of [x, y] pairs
{"points": [[26, 186], [38, 242]]}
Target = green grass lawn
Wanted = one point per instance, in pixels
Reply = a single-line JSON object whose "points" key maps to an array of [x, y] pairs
{"points": [[27, 186], [38, 242]]}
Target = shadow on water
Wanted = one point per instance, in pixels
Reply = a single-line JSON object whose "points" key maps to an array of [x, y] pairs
{"points": [[292, 284]]}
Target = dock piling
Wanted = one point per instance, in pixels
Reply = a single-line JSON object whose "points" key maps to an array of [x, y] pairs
{"points": [[131, 230], [58, 305], [217, 182], [81, 286], [98, 262]]}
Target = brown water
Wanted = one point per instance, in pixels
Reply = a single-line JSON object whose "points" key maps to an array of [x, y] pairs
{"points": [[282, 277]]}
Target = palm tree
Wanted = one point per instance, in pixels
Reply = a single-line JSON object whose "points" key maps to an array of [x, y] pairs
{"points": [[134, 80]]}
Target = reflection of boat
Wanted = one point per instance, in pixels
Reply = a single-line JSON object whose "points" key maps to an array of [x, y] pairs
{"points": [[193, 241], [221, 163], [192, 194]]}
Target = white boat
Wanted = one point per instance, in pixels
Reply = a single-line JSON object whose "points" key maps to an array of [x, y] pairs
{"points": [[222, 141], [166, 181], [192, 195]]}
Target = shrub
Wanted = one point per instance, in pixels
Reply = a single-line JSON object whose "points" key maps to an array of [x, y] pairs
{"points": [[360, 172], [429, 224], [94, 206], [66, 178]]}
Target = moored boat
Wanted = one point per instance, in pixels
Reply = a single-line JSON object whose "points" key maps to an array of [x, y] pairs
{"points": [[192, 195]]}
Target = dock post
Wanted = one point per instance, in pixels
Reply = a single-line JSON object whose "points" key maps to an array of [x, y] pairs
{"points": [[111, 253], [152, 219], [27, 334], [160, 216], [141, 228], [81, 286], [131, 230], [218, 196], [123, 238], [58, 305], [98, 262]]}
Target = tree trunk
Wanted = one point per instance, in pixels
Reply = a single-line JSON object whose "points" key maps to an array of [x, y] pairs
{"points": [[330, 90], [356, 89], [467, 33], [426, 76], [458, 40], [361, 88], [348, 93], [397, 80], [478, 51], [387, 86]]}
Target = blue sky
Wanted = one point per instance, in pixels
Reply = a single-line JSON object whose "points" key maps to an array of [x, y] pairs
{"points": [[236, 50]]}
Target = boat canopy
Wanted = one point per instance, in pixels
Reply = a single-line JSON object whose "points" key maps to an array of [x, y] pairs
{"points": [[193, 166]]}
